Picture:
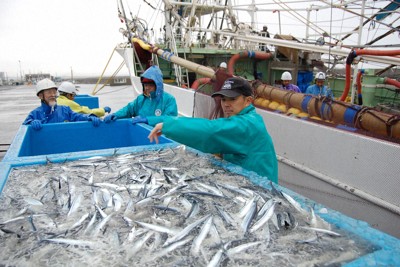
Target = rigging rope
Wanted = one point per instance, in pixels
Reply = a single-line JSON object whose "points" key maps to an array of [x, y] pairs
{"points": [[109, 79], [95, 91], [101, 76]]}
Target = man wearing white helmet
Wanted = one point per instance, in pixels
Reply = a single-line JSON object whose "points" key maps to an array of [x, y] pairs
{"points": [[319, 89], [286, 83], [50, 112], [68, 92], [223, 66]]}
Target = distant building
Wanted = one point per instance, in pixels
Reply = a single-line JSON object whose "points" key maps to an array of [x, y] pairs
{"points": [[3, 78], [33, 78], [120, 81]]}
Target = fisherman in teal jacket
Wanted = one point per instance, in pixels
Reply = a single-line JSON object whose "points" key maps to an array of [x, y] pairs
{"points": [[152, 106], [241, 137]]}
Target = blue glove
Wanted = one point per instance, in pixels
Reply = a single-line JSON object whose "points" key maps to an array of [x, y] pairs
{"points": [[107, 109], [96, 121], [110, 118], [139, 119], [36, 125]]}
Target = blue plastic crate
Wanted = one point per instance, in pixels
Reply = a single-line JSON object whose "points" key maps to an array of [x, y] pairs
{"points": [[87, 100], [76, 137]]}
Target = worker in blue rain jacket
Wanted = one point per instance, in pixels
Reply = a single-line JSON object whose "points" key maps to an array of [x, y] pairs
{"points": [[68, 92], [319, 89], [152, 106], [287, 83], [241, 136], [50, 112]]}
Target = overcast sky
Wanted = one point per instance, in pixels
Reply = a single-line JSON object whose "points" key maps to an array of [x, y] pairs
{"points": [[53, 36]]}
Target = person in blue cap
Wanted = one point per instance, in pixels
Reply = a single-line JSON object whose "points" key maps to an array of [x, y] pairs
{"points": [[241, 136], [50, 112], [152, 106]]}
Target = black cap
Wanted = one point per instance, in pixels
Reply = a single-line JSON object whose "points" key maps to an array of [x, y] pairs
{"points": [[234, 87]]}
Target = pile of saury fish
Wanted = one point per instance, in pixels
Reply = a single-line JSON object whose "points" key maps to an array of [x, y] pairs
{"points": [[168, 207]]}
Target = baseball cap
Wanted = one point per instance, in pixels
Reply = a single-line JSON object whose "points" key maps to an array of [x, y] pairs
{"points": [[145, 80], [234, 87]]}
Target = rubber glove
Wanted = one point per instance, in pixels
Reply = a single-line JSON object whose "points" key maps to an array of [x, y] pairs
{"points": [[139, 119], [96, 121], [107, 109], [110, 118], [36, 125]]}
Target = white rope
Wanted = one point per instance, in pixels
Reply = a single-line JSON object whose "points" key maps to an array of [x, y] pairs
{"points": [[338, 184]]}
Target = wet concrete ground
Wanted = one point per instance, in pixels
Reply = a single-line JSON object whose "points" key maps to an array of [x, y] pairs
{"points": [[17, 101]]}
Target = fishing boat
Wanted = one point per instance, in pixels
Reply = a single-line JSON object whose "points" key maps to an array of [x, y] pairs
{"points": [[342, 154]]}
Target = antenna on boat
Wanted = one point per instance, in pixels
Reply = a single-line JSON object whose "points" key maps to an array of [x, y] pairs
{"points": [[126, 21]]}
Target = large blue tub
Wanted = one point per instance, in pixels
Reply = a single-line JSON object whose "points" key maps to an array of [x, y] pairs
{"points": [[71, 141], [77, 138]]}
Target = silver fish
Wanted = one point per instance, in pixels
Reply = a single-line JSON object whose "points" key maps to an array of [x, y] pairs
{"points": [[139, 243], [33, 201], [319, 230], [171, 247], [230, 252], [251, 214], [264, 219], [75, 204], [185, 231], [216, 259], [101, 224], [73, 242], [202, 235], [158, 228]]}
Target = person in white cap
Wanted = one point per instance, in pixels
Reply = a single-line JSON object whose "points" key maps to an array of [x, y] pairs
{"points": [[68, 92], [241, 137], [50, 112], [319, 89], [286, 83], [223, 66]]}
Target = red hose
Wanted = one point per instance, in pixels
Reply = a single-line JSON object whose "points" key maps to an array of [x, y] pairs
{"points": [[199, 82], [377, 52], [347, 84], [392, 82], [357, 52], [244, 54]]}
